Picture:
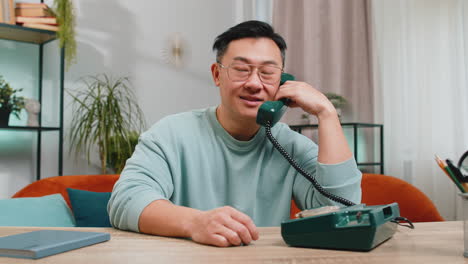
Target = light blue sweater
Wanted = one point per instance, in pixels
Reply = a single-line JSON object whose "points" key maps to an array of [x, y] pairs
{"points": [[192, 161]]}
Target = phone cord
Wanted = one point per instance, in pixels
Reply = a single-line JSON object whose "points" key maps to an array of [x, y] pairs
{"points": [[304, 173]]}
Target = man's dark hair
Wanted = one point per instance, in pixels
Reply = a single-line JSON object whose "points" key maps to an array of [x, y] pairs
{"points": [[247, 29]]}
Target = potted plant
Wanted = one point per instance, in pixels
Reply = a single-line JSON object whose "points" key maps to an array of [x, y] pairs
{"points": [[305, 118], [107, 116], [115, 159], [338, 102], [64, 11], [10, 103]]}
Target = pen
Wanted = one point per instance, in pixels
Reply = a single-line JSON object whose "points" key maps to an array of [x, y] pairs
{"points": [[447, 171], [455, 171], [441, 165]]}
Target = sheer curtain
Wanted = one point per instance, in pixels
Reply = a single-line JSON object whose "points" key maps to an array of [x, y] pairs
{"points": [[329, 48], [421, 95]]}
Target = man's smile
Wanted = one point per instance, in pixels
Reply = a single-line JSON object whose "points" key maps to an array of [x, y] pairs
{"points": [[251, 100]]}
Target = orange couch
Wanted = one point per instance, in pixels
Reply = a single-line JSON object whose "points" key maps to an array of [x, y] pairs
{"points": [[59, 184], [376, 189]]}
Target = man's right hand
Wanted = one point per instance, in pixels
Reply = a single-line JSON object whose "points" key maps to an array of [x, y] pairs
{"points": [[222, 227]]}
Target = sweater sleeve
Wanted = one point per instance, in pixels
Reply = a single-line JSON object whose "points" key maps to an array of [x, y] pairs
{"points": [[342, 179], [146, 178]]}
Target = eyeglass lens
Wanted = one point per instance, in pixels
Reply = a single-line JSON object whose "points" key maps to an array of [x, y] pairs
{"points": [[241, 72]]}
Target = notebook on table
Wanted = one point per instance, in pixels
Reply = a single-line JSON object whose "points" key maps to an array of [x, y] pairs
{"points": [[42, 243]]}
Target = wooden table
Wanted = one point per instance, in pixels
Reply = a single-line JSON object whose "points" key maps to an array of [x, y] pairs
{"points": [[429, 243]]}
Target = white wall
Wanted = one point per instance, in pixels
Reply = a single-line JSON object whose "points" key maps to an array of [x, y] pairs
{"points": [[122, 38], [132, 40]]}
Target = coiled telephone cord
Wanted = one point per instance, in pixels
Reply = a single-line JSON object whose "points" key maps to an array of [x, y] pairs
{"points": [[304, 173]]}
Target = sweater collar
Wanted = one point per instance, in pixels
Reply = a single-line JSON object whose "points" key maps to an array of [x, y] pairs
{"points": [[231, 141]]}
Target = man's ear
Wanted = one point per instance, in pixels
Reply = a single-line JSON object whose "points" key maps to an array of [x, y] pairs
{"points": [[215, 73]]}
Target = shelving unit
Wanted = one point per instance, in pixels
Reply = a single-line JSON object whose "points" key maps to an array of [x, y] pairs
{"points": [[40, 38], [355, 127]]}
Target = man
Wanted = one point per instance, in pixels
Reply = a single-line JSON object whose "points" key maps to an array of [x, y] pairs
{"points": [[211, 174]]}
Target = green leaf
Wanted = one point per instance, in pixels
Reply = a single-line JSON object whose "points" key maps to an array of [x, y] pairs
{"points": [[65, 13], [106, 117], [9, 99]]}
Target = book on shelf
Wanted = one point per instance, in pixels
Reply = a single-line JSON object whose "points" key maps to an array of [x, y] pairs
{"points": [[32, 12], [1, 11], [31, 5], [7, 11], [42, 243], [41, 26], [37, 20]]}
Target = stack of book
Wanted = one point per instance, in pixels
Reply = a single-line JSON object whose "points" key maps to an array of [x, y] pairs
{"points": [[35, 15]]}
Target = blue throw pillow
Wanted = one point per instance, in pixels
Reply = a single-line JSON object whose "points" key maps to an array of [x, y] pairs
{"points": [[89, 208], [46, 211]]}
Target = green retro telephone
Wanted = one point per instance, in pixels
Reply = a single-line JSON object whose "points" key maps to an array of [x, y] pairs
{"points": [[353, 227]]}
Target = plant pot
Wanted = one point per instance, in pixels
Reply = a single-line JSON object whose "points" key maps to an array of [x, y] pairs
{"points": [[338, 111], [4, 117]]}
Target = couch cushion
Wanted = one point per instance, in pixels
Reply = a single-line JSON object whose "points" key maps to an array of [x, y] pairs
{"points": [[46, 211], [89, 208], [59, 184]]}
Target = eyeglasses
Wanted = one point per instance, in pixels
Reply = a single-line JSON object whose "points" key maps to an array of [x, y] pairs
{"points": [[239, 72]]}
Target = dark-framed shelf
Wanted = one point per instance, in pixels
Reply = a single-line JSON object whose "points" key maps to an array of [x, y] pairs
{"points": [[39, 37], [355, 126], [26, 34], [25, 128]]}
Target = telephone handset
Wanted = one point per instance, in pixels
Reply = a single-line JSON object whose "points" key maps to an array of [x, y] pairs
{"points": [[272, 111], [268, 115], [354, 227]]}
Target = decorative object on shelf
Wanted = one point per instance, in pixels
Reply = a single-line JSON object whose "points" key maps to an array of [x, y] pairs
{"points": [[338, 102], [106, 114], [175, 52], [65, 14], [33, 107], [10, 103], [305, 119]]}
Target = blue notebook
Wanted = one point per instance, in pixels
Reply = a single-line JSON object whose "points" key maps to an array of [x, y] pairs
{"points": [[39, 244]]}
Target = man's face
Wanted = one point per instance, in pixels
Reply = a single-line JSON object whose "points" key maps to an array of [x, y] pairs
{"points": [[240, 100]]}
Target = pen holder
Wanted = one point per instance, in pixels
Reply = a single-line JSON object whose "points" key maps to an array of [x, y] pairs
{"points": [[465, 221]]}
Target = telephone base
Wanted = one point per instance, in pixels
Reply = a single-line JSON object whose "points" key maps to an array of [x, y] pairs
{"points": [[357, 228]]}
